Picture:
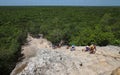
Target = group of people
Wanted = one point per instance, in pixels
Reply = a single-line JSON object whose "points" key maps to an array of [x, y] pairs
{"points": [[92, 48]]}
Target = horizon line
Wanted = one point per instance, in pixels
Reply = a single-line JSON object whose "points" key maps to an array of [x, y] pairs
{"points": [[69, 5]]}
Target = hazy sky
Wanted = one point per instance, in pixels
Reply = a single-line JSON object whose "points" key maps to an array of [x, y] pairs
{"points": [[62, 2]]}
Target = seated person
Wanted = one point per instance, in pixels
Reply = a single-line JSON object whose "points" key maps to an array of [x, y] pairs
{"points": [[72, 48], [92, 48], [87, 48]]}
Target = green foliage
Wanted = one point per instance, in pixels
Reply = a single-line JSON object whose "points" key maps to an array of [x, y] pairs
{"points": [[74, 25], [116, 42], [55, 36]]}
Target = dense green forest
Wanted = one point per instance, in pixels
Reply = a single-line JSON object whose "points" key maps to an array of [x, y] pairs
{"points": [[74, 25]]}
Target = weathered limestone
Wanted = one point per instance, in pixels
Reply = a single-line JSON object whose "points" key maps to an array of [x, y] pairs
{"points": [[41, 59]]}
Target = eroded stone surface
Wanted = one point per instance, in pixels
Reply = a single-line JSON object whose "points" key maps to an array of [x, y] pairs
{"points": [[41, 59]]}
